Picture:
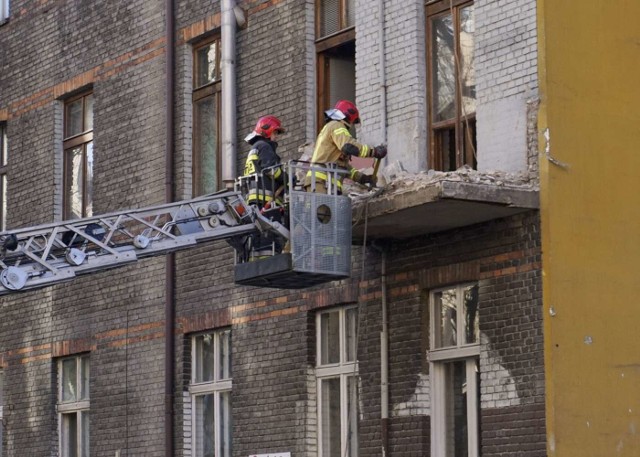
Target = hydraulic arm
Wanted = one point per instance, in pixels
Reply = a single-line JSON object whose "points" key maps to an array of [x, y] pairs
{"points": [[39, 256]]}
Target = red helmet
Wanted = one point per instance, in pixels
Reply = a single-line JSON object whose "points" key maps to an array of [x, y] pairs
{"points": [[351, 114], [267, 125]]}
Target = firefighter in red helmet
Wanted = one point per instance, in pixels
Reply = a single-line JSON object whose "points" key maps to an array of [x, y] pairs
{"points": [[336, 145], [265, 180]]}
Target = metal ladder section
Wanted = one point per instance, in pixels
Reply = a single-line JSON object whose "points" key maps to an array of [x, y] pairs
{"points": [[39, 256]]}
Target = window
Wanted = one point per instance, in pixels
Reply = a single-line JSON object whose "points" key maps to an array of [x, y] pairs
{"points": [[78, 157], [337, 382], [452, 95], [454, 355], [207, 86], [3, 176], [336, 53], [4, 10], [73, 406], [210, 391]]}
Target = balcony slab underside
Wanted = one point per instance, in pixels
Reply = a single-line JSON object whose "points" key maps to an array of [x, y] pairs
{"points": [[437, 207]]}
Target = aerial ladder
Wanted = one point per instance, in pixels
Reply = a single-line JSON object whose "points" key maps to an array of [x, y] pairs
{"points": [[316, 229]]}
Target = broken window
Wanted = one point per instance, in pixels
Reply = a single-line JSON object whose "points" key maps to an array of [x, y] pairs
{"points": [[336, 54], [454, 357], [210, 391], [207, 87], [78, 156], [337, 380], [452, 93]]}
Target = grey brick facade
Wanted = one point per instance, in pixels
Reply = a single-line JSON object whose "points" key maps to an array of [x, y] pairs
{"points": [[51, 49]]}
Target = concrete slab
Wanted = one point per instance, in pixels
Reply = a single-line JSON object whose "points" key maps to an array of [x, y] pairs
{"points": [[429, 207]]}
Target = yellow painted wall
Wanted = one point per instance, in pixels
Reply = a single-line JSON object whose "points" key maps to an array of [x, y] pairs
{"points": [[589, 68]]}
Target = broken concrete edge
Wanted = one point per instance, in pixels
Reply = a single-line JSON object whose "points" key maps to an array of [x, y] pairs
{"points": [[392, 200]]}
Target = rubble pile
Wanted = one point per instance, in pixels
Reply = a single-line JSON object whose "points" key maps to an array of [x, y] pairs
{"points": [[395, 180]]}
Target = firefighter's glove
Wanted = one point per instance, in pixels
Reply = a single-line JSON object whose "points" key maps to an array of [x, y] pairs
{"points": [[367, 179], [379, 152]]}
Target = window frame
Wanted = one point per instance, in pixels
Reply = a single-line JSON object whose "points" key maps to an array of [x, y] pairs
{"points": [[199, 93], [342, 370], [439, 360], [461, 123], [80, 406], [70, 142], [325, 45], [4, 160], [215, 387]]}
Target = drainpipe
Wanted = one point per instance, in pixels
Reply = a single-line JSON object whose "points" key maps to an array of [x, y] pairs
{"points": [[227, 62], [382, 62], [384, 361], [169, 305]]}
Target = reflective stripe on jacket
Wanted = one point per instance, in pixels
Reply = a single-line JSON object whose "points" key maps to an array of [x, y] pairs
{"points": [[332, 138]]}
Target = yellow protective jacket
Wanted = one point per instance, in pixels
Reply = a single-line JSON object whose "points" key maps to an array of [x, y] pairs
{"points": [[330, 147]]}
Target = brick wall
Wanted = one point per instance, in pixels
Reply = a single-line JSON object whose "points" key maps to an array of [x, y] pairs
{"points": [[506, 81], [57, 48]]}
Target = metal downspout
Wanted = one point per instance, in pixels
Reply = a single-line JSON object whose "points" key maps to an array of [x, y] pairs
{"points": [[384, 333], [227, 62], [384, 361], [169, 305]]}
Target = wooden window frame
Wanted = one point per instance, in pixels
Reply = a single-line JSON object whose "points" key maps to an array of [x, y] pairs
{"points": [[199, 93], [460, 123], [70, 142], [324, 45]]}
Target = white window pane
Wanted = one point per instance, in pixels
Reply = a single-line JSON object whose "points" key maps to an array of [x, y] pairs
{"points": [[206, 142], [74, 182], [205, 425], [89, 180], [456, 425], [4, 147], [3, 214], [88, 112], [329, 338], [70, 435], [225, 424], [443, 64], [351, 12], [445, 318], [204, 358], [330, 420], [330, 17], [351, 328], [69, 380], [84, 362], [467, 73], [206, 64], [342, 78], [73, 118], [224, 355], [352, 412], [85, 433], [471, 314]]}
